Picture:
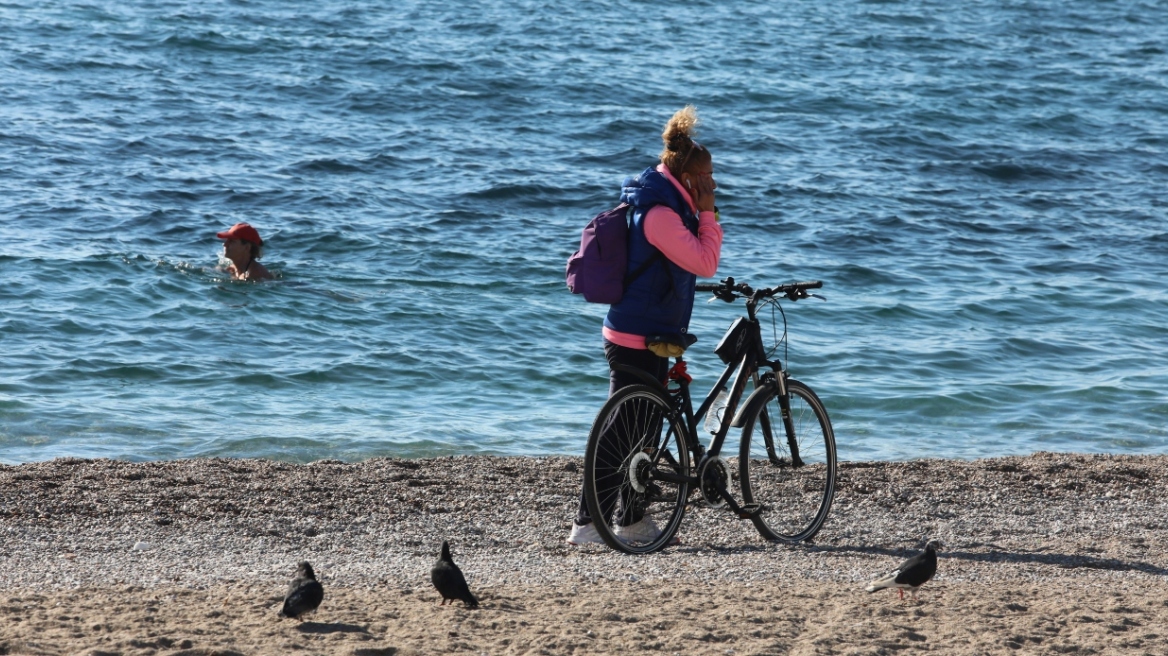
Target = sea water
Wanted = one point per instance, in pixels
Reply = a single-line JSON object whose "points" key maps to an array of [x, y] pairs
{"points": [[980, 185]]}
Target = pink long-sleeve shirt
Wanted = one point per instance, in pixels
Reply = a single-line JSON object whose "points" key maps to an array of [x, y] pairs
{"points": [[665, 230]]}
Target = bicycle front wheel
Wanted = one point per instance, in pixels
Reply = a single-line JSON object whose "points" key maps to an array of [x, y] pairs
{"points": [[792, 476], [635, 470]]}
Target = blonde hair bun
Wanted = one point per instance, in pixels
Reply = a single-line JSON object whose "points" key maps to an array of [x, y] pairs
{"points": [[680, 130], [681, 151]]}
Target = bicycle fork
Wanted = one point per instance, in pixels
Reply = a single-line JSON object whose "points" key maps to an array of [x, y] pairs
{"points": [[788, 424]]}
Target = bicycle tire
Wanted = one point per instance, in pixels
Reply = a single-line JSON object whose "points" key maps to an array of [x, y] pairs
{"points": [[796, 500], [636, 432]]}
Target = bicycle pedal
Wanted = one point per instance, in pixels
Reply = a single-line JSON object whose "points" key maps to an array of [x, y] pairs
{"points": [[749, 510]]}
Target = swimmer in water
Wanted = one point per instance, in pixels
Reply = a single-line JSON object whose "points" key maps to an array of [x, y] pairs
{"points": [[243, 246]]}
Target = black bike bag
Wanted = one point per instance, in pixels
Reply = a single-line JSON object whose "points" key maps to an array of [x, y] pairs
{"points": [[734, 342]]}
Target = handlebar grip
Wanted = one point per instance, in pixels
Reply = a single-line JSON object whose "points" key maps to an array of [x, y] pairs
{"points": [[707, 287], [813, 284]]}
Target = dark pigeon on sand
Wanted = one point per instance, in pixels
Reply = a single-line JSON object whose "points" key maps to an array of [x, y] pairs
{"points": [[912, 573], [449, 580], [304, 593]]}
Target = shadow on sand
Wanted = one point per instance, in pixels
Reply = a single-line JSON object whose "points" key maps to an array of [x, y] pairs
{"points": [[996, 554], [330, 627], [992, 554]]}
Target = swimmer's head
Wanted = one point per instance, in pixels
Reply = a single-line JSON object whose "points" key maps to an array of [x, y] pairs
{"points": [[244, 233]]}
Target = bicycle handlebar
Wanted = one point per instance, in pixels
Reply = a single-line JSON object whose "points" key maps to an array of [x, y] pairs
{"points": [[728, 291]]}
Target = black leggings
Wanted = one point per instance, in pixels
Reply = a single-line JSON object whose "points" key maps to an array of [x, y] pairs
{"points": [[642, 359]]}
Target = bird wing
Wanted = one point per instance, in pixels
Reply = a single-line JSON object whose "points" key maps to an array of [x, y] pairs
{"points": [[917, 571], [889, 580], [458, 587], [294, 586], [896, 578], [451, 583], [464, 590], [912, 573], [446, 577], [304, 597]]}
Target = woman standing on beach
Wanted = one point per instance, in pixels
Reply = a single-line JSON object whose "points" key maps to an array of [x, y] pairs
{"points": [[243, 246], [675, 224]]}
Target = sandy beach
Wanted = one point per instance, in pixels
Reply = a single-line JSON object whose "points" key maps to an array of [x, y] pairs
{"points": [[1045, 554]]}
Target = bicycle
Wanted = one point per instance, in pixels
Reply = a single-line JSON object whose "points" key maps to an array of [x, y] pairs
{"points": [[643, 444]]}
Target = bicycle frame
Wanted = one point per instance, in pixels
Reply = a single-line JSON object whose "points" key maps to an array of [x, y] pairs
{"points": [[645, 455], [746, 366]]}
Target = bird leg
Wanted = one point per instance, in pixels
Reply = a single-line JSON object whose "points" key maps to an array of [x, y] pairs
{"points": [[900, 591]]}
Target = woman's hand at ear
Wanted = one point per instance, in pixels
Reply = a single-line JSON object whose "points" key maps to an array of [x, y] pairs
{"points": [[703, 192]]}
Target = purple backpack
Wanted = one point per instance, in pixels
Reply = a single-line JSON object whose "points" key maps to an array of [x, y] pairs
{"points": [[598, 269]]}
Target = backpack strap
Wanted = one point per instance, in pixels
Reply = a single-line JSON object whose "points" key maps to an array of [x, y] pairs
{"points": [[636, 273]]}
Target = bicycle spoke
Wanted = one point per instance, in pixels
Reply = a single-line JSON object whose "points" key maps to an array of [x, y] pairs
{"points": [[796, 499], [633, 435]]}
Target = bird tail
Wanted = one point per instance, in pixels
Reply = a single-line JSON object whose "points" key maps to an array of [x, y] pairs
{"points": [[881, 584]]}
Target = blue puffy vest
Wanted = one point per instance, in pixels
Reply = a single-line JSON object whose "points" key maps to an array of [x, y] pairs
{"points": [[659, 301]]}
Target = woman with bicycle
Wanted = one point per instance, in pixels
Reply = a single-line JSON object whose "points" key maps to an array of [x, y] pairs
{"points": [[674, 237]]}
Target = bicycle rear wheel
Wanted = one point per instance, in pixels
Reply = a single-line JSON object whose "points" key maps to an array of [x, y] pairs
{"points": [[633, 470], [796, 497]]}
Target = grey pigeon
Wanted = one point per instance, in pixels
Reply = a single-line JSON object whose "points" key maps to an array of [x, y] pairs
{"points": [[449, 580], [304, 593], [912, 573]]}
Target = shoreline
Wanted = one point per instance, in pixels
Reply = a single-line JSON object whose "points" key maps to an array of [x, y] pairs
{"points": [[1040, 532]]}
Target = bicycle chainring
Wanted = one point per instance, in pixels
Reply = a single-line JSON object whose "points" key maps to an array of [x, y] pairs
{"points": [[714, 471]]}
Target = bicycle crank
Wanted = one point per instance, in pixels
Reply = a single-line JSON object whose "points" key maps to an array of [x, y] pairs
{"points": [[713, 476]]}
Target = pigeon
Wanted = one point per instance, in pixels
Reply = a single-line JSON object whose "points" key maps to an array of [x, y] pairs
{"points": [[304, 593], [449, 580], [912, 573]]}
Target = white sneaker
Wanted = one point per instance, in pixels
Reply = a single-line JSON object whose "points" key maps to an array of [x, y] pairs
{"points": [[584, 534], [643, 531]]}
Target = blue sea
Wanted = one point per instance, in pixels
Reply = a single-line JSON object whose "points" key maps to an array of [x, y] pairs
{"points": [[982, 186]]}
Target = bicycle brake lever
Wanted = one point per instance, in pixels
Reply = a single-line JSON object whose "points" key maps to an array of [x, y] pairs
{"points": [[802, 293]]}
